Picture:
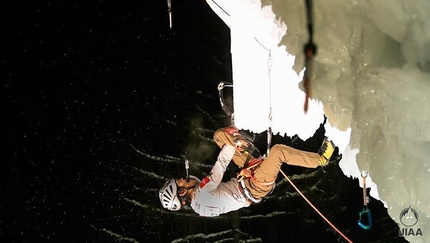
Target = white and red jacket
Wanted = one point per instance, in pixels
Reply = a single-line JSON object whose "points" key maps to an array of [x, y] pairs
{"points": [[213, 197]]}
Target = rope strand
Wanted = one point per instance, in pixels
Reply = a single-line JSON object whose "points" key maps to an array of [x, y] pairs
{"points": [[301, 194]]}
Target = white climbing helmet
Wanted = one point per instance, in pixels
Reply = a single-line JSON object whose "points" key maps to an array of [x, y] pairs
{"points": [[169, 196]]}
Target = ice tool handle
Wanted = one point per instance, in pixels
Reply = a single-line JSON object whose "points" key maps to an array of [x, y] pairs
{"points": [[366, 210]]}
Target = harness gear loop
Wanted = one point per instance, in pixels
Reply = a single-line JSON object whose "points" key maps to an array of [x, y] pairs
{"points": [[365, 211]]}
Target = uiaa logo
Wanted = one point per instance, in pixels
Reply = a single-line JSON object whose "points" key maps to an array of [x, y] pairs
{"points": [[409, 218]]}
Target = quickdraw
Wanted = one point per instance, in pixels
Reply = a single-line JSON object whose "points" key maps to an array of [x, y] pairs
{"points": [[366, 210]]}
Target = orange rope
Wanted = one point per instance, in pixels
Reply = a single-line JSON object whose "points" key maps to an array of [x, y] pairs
{"points": [[301, 194]]}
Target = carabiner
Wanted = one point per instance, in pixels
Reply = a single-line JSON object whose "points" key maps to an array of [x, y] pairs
{"points": [[369, 219]]}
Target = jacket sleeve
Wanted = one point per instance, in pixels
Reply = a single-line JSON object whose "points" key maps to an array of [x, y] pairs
{"points": [[212, 181]]}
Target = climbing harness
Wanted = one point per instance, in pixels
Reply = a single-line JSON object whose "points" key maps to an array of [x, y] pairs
{"points": [[169, 10], [310, 50], [249, 168], [248, 173], [247, 193], [366, 210]]}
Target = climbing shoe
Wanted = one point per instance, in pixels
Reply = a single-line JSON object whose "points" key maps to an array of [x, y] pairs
{"points": [[325, 152]]}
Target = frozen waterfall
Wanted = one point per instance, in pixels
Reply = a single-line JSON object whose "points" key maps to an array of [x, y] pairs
{"points": [[371, 80]]}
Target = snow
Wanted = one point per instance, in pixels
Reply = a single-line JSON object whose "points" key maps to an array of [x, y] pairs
{"points": [[371, 80]]}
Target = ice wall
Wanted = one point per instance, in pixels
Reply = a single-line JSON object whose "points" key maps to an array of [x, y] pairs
{"points": [[371, 80]]}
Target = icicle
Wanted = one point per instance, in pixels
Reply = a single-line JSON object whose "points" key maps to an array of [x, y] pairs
{"points": [[310, 50]]}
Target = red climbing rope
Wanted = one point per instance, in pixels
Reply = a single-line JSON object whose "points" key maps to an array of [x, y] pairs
{"points": [[301, 194]]}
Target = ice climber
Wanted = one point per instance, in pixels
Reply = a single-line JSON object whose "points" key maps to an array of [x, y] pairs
{"points": [[211, 197]]}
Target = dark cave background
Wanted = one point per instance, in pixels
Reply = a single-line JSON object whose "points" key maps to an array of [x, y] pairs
{"points": [[101, 103]]}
